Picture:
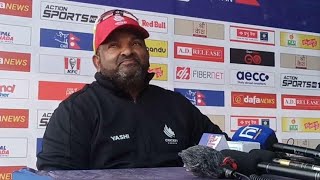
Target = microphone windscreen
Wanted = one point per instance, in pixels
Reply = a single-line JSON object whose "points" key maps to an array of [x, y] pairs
{"points": [[256, 133], [247, 164], [203, 161], [264, 155]]}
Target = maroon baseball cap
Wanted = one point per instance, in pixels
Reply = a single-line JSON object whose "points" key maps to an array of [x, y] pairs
{"points": [[113, 20]]}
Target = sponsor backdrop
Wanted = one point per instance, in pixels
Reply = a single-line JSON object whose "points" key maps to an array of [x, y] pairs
{"points": [[252, 66]]}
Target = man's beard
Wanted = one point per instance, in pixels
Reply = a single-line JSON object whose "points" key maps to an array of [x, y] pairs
{"points": [[131, 80]]}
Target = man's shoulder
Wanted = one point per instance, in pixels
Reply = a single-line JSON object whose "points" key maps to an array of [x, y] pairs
{"points": [[81, 95], [166, 92]]}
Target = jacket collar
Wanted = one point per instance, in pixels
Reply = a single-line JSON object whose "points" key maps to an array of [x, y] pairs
{"points": [[106, 83]]}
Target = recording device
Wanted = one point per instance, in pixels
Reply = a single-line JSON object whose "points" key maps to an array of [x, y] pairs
{"points": [[204, 161], [296, 164], [247, 162], [280, 170], [257, 133], [268, 140], [215, 141], [297, 150]]}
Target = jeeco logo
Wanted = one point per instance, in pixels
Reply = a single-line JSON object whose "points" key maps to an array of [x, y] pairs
{"points": [[157, 48], [254, 100], [12, 61], [252, 57], [14, 118], [21, 8], [198, 52]]}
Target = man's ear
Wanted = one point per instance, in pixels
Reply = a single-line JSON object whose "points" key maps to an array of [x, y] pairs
{"points": [[96, 62]]}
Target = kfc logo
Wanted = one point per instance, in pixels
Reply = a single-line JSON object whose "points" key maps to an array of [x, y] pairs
{"points": [[72, 65]]}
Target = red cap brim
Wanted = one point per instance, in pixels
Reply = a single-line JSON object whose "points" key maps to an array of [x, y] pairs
{"points": [[109, 25]]}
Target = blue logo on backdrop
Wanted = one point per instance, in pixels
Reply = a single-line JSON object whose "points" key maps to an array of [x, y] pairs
{"points": [[264, 36], [249, 76], [65, 39], [39, 145], [203, 97]]}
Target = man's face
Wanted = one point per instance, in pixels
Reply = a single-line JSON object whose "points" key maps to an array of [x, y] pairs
{"points": [[123, 57]]}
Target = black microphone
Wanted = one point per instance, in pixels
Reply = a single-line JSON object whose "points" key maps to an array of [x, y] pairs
{"points": [[247, 162], [308, 152], [296, 164], [204, 161], [276, 169]]}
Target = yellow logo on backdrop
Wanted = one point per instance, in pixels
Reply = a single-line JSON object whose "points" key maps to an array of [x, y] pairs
{"points": [[160, 70], [300, 40], [157, 48], [300, 124]]}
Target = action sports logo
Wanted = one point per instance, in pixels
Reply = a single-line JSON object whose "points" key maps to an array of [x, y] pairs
{"points": [[68, 13]]}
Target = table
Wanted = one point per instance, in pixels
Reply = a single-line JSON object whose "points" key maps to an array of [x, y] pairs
{"points": [[165, 173]]}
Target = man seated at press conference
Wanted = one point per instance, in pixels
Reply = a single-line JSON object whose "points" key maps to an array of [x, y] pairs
{"points": [[120, 120]]}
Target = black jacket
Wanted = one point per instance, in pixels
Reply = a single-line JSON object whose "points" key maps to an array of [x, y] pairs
{"points": [[102, 127]]}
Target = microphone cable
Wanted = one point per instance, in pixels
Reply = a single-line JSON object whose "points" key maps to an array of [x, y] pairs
{"points": [[256, 177]]}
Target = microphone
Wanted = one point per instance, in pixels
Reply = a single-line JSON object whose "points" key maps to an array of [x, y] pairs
{"points": [[247, 163], [296, 164], [215, 141], [257, 133], [276, 169], [204, 161], [292, 149], [264, 155]]}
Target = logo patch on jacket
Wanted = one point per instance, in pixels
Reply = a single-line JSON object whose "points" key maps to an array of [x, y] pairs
{"points": [[120, 137], [170, 133]]}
